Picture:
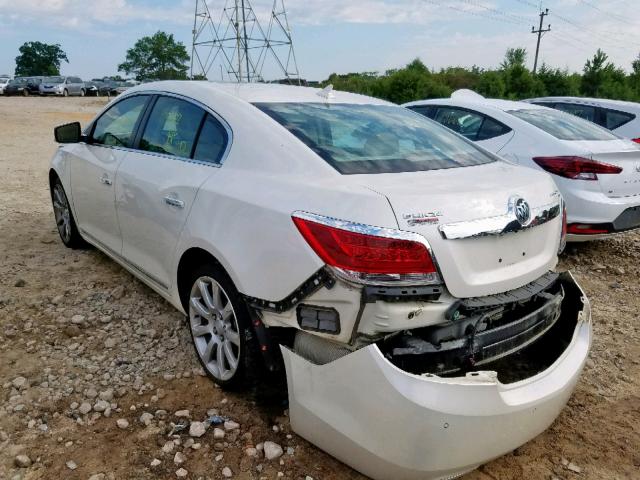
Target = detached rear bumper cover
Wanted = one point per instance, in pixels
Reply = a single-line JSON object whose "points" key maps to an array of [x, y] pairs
{"points": [[388, 423]]}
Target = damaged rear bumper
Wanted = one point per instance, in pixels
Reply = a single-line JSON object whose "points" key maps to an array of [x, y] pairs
{"points": [[388, 423]]}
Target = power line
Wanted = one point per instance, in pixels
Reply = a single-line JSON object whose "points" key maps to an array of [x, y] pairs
{"points": [[540, 32], [607, 13]]}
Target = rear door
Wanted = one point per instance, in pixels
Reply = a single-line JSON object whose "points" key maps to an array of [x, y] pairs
{"points": [[93, 171], [177, 151]]}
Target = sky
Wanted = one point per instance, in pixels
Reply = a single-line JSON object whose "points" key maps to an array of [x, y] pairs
{"points": [[338, 36]]}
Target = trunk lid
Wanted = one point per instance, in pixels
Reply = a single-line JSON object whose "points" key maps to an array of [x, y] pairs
{"points": [[482, 265]]}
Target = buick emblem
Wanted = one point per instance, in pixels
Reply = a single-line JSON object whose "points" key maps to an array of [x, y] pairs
{"points": [[521, 210]]}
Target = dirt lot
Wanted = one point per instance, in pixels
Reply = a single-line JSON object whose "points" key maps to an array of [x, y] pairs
{"points": [[83, 346]]}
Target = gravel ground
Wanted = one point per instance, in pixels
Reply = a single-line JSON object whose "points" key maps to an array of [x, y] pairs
{"points": [[97, 371]]}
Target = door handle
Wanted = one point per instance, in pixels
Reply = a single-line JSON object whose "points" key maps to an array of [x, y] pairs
{"points": [[105, 180], [173, 201]]}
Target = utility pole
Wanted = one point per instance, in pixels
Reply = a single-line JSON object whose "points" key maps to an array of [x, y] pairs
{"points": [[540, 32]]}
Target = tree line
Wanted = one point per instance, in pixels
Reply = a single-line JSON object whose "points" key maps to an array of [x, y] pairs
{"points": [[511, 80], [161, 57]]}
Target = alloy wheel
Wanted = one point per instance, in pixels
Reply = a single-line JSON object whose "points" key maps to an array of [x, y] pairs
{"points": [[214, 327], [62, 213]]}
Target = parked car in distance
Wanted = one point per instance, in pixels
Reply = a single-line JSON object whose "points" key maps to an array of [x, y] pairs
{"points": [[597, 172], [621, 117], [122, 87], [92, 88], [62, 86], [386, 264], [4, 81], [24, 86]]}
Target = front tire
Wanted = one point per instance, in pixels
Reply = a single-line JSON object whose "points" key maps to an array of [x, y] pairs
{"points": [[67, 228], [25, 93], [82, 93], [65, 93], [220, 328]]}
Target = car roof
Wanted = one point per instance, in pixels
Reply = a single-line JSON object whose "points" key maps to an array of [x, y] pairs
{"points": [[478, 103], [256, 92], [586, 101]]}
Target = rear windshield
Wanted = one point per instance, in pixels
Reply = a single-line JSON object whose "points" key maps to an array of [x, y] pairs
{"points": [[374, 138], [562, 125]]}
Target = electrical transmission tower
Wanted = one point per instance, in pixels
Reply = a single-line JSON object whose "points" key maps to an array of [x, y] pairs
{"points": [[239, 47], [540, 32]]}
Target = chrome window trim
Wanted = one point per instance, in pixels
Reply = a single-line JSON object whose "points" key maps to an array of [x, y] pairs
{"points": [[502, 224], [198, 104], [378, 232]]}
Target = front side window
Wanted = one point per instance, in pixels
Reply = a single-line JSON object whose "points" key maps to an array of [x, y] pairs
{"points": [[357, 139], [563, 126], [172, 127], [212, 141], [116, 127]]}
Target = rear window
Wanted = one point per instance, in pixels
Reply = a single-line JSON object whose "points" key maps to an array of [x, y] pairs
{"points": [[357, 139], [583, 111], [562, 125]]}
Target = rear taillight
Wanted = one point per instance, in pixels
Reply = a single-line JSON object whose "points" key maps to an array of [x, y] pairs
{"points": [[368, 254], [576, 168], [587, 229], [637, 140]]}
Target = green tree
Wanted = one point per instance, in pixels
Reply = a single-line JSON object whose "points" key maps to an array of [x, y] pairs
{"points": [[557, 82], [156, 57], [37, 58], [491, 85], [518, 80]]}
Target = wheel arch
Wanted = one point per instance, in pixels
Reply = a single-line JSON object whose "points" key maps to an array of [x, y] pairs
{"points": [[189, 260]]}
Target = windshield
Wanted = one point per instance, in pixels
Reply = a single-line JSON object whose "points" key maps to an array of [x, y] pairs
{"points": [[18, 81], [54, 80], [562, 125], [374, 138]]}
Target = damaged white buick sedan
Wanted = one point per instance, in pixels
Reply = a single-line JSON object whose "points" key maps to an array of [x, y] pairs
{"points": [[402, 276]]}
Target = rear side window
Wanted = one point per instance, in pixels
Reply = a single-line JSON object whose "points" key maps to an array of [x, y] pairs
{"points": [[212, 141], [460, 121], [368, 139], [428, 111], [583, 111], [472, 125], [172, 127], [563, 126], [116, 127], [615, 119]]}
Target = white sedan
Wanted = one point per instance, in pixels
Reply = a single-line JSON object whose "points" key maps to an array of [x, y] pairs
{"points": [[597, 172], [401, 276], [622, 118]]}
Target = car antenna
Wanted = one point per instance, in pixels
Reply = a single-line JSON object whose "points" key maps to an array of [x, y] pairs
{"points": [[327, 92]]}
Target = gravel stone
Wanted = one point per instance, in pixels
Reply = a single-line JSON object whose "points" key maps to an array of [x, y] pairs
{"points": [[71, 465], [179, 458], [231, 425], [227, 473], [155, 463], [101, 406], [181, 473], [272, 450], [85, 407], [197, 429], [22, 461], [182, 413], [146, 418], [122, 423], [218, 433]]}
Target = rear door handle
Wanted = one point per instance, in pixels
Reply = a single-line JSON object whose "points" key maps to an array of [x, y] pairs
{"points": [[105, 180], [173, 201]]}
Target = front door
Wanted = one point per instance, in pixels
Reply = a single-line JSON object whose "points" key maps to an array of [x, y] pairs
{"points": [[94, 167], [157, 184]]}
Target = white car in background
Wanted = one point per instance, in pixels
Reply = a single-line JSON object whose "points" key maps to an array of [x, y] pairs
{"points": [[597, 172], [3, 83], [620, 117], [402, 276]]}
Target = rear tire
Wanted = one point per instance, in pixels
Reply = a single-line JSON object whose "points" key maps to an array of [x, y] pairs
{"points": [[82, 93], [25, 93], [67, 228], [220, 327]]}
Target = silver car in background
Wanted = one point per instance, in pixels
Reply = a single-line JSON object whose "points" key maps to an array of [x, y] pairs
{"points": [[62, 86], [3, 83]]}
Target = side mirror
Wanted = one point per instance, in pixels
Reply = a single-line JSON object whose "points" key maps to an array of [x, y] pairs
{"points": [[69, 133]]}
